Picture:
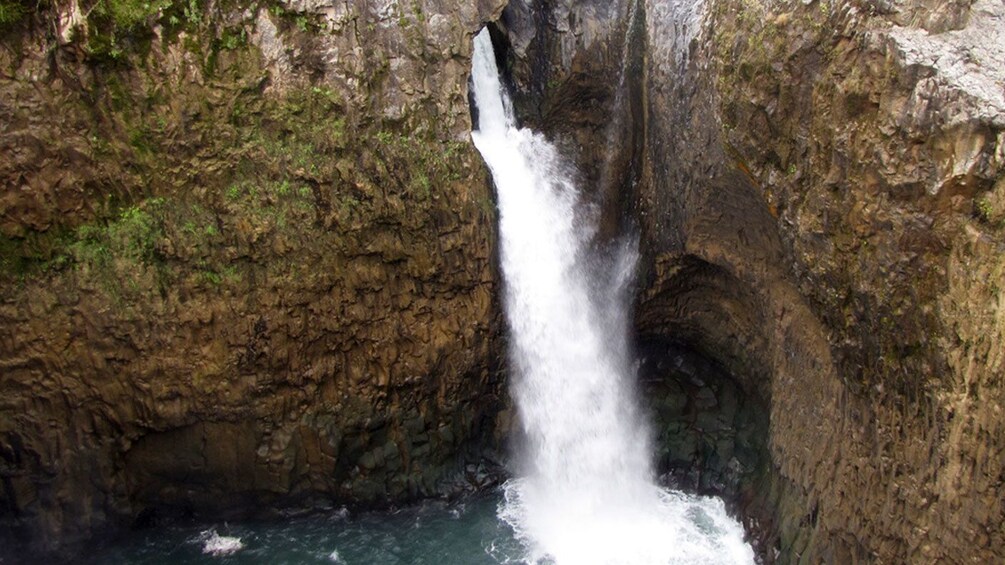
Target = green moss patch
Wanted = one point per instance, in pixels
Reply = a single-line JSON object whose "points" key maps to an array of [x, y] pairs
{"points": [[200, 182], [11, 13]]}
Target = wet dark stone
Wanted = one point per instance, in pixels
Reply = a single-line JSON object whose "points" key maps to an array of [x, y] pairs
{"points": [[711, 433]]}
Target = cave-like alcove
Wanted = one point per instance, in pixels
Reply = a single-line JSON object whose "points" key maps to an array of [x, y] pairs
{"points": [[710, 433], [704, 379]]}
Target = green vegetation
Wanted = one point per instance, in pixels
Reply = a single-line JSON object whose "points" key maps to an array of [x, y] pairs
{"points": [[132, 237], [296, 20], [11, 12], [417, 12], [228, 274], [117, 27], [110, 251], [201, 186], [21, 257], [272, 204], [984, 209], [414, 162], [128, 15], [253, 178], [191, 13], [233, 38], [116, 251]]}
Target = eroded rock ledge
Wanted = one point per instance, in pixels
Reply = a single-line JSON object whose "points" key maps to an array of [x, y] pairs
{"points": [[843, 164]]}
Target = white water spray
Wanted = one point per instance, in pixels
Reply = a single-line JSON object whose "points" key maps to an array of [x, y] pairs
{"points": [[587, 496]]}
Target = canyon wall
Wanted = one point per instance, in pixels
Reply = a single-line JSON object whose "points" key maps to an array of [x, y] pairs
{"points": [[822, 215], [817, 190], [248, 256], [247, 260]]}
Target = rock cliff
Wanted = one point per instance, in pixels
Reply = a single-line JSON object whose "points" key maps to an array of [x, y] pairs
{"points": [[818, 192], [247, 259], [822, 215]]}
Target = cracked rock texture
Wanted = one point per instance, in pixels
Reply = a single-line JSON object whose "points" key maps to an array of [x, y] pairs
{"points": [[837, 167], [247, 261]]}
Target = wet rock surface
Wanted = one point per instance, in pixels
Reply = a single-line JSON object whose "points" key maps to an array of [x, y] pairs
{"points": [[554, 53], [711, 437]]}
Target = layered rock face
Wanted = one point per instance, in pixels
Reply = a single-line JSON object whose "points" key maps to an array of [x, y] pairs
{"points": [[247, 260], [823, 216]]}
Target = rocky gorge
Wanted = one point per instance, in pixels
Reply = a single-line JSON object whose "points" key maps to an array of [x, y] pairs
{"points": [[248, 257]]}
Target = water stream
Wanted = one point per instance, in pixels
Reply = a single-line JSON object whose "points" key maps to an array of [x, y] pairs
{"points": [[586, 493]]}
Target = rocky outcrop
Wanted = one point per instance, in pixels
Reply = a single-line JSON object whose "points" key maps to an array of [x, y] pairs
{"points": [[555, 53], [249, 264], [835, 168]]}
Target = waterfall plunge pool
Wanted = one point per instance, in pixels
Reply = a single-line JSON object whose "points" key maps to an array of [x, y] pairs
{"points": [[464, 532]]}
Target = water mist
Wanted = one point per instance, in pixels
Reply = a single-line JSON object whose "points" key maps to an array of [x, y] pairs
{"points": [[587, 495]]}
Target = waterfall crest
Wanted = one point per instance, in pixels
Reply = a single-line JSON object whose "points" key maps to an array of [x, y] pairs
{"points": [[587, 494]]}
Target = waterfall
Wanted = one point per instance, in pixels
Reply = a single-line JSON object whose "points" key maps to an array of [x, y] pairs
{"points": [[586, 495]]}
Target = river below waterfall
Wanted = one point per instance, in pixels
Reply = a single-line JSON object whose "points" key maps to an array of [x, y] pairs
{"points": [[464, 532]]}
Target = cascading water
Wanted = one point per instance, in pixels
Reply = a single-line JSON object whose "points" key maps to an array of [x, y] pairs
{"points": [[587, 495]]}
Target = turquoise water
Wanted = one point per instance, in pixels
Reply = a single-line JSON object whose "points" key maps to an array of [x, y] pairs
{"points": [[467, 532]]}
